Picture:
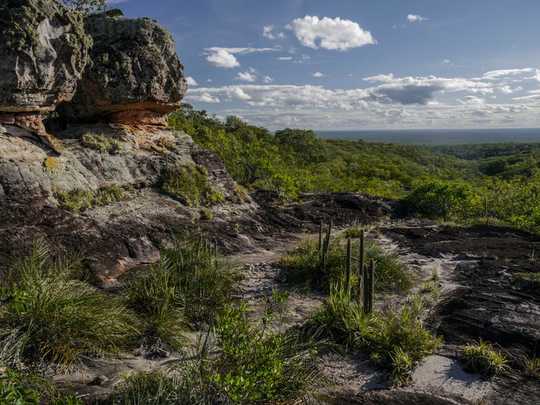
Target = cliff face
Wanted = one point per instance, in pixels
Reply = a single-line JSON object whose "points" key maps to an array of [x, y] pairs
{"points": [[120, 185]]}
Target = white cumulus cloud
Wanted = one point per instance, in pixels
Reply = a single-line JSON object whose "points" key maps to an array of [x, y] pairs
{"points": [[318, 75], [269, 32], [225, 57], [248, 76], [191, 81], [415, 18], [330, 33]]}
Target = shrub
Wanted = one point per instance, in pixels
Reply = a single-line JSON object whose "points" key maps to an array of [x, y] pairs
{"points": [[189, 183], [395, 339], [57, 319], [303, 266], [483, 358], [101, 143], [532, 367], [24, 389], [255, 366]]}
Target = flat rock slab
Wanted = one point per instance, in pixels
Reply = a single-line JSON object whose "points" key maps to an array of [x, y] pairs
{"points": [[446, 376]]}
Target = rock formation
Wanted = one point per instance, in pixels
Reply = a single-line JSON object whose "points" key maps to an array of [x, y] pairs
{"points": [[43, 51], [134, 76]]}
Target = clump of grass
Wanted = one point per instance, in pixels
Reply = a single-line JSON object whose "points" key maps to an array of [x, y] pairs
{"points": [[81, 200], [395, 339], [532, 367], [303, 266], [189, 183], [483, 358], [56, 319], [192, 282], [206, 214], [101, 143], [156, 299]]}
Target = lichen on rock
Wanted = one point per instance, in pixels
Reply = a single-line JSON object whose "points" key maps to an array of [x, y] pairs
{"points": [[135, 75]]}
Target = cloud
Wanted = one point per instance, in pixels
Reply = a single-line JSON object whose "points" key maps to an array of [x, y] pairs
{"points": [[446, 62], [225, 57], [191, 81], [330, 33], [267, 79], [318, 75], [268, 32], [248, 76], [505, 73], [285, 58], [415, 18], [385, 101]]}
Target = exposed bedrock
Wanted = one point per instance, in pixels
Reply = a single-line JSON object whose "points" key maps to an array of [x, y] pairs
{"points": [[134, 76], [43, 51]]}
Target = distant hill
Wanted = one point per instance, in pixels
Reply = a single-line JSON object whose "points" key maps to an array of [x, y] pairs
{"points": [[439, 136]]}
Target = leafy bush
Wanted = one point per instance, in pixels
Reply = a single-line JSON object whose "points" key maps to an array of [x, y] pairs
{"points": [[256, 366], [25, 389], [55, 318], [483, 358], [440, 199], [303, 266], [395, 339]]}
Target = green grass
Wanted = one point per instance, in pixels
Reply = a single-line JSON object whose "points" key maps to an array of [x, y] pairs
{"points": [[302, 267], [483, 358], [26, 389], [395, 339], [48, 316]]}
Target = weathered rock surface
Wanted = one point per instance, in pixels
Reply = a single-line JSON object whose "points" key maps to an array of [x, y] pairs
{"points": [[135, 74], [118, 234], [43, 51]]}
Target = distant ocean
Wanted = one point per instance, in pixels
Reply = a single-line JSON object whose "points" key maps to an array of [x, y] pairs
{"points": [[439, 136]]}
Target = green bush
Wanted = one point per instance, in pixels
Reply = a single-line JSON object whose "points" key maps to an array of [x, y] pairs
{"points": [[483, 358], [254, 366], [81, 200], [395, 339], [442, 199], [55, 318], [25, 389], [101, 143]]}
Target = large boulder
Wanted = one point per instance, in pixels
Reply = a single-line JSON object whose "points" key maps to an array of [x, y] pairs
{"points": [[135, 75], [43, 51]]}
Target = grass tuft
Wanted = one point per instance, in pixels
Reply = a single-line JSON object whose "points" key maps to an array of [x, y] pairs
{"points": [[395, 339], [56, 319], [101, 143], [483, 358], [80, 200], [302, 266]]}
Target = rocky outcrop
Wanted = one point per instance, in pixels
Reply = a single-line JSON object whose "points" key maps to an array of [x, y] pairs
{"points": [[104, 196], [135, 75], [43, 51]]}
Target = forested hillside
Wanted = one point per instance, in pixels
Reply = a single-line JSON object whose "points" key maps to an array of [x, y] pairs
{"points": [[488, 183]]}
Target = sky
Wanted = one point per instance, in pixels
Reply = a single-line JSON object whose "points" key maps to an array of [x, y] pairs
{"points": [[358, 64]]}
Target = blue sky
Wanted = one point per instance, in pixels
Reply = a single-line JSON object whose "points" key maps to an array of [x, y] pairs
{"points": [[357, 64]]}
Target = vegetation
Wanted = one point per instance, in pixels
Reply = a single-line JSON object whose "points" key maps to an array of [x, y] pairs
{"points": [[248, 365], [303, 266], [47, 315], [497, 184], [483, 358], [80, 200], [189, 183], [86, 6], [101, 143], [395, 339]]}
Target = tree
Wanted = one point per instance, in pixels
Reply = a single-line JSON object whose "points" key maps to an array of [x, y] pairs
{"points": [[86, 6]]}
